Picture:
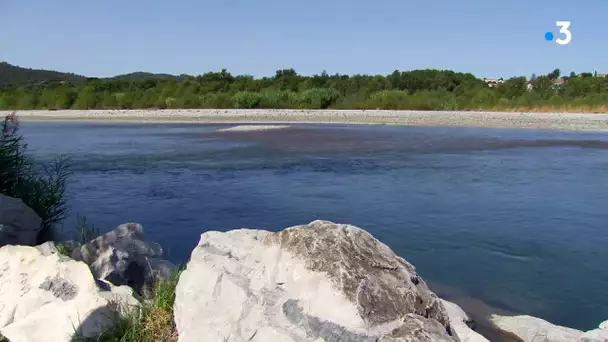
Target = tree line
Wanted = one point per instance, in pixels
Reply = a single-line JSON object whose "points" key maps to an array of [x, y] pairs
{"points": [[407, 90]]}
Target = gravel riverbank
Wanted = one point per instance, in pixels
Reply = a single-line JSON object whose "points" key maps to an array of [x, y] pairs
{"points": [[560, 121]]}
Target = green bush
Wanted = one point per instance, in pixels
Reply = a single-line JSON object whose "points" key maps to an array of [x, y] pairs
{"points": [[319, 98], [41, 187], [246, 99], [278, 99], [387, 99], [215, 100]]}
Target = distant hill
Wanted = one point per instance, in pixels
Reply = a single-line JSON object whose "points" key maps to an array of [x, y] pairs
{"points": [[140, 75], [12, 74]]}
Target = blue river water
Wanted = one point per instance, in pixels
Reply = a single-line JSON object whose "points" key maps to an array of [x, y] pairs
{"points": [[517, 219]]}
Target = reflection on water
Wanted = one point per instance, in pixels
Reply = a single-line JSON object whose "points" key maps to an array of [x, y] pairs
{"points": [[513, 218]]}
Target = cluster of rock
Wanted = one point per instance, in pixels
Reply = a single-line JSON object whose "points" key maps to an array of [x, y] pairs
{"points": [[317, 282], [48, 296]]}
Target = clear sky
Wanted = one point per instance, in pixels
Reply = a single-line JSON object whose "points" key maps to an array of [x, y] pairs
{"points": [[489, 38]]}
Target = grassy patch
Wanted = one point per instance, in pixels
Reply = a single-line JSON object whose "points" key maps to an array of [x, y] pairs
{"points": [[85, 231], [152, 321], [63, 249]]}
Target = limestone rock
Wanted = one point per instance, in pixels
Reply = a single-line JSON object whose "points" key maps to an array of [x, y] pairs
{"points": [[52, 298], [118, 294], [528, 328], [123, 257], [47, 248], [317, 282], [19, 224]]}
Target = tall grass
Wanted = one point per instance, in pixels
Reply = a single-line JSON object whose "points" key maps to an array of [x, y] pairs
{"points": [[152, 321], [41, 187], [85, 231], [83, 234]]}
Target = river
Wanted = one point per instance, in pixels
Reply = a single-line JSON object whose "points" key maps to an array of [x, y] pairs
{"points": [[517, 219]]}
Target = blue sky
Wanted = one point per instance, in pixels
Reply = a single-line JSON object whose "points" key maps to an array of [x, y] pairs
{"points": [[489, 38]]}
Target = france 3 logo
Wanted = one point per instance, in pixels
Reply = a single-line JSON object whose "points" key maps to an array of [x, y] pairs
{"points": [[564, 30]]}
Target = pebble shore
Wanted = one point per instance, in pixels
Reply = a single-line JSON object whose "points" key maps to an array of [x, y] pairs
{"points": [[558, 121]]}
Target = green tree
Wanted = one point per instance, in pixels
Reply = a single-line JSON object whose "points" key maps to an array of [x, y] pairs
{"points": [[513, 87], [543, 86], [554, 74], [416, 89], [87, 99]]}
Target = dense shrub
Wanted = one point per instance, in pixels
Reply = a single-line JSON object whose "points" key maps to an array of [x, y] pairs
{"points": [[246, 99], [318, 98], [279, 99], [388, 99]]}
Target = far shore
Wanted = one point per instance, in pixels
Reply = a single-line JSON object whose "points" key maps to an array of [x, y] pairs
{"points": [[531, 120]]}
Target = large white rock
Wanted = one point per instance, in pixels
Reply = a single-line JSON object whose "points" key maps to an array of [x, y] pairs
{"points": [[19, 224], [459, 320], [317, 282], [51, 297]]}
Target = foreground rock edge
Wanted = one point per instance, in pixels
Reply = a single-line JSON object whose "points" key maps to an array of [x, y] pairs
{"points": [[109, 293], [529, 328]]}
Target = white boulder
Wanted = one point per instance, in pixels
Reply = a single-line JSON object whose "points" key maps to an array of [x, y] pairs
{"points": [[317, 282], [53, 298]]}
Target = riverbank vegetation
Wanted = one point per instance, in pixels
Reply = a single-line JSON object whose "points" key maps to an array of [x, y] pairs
{"points": [[41, 187], [410, 90]]}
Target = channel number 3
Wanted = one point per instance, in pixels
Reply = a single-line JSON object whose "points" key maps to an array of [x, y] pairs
{"points": [[564, 29]]}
